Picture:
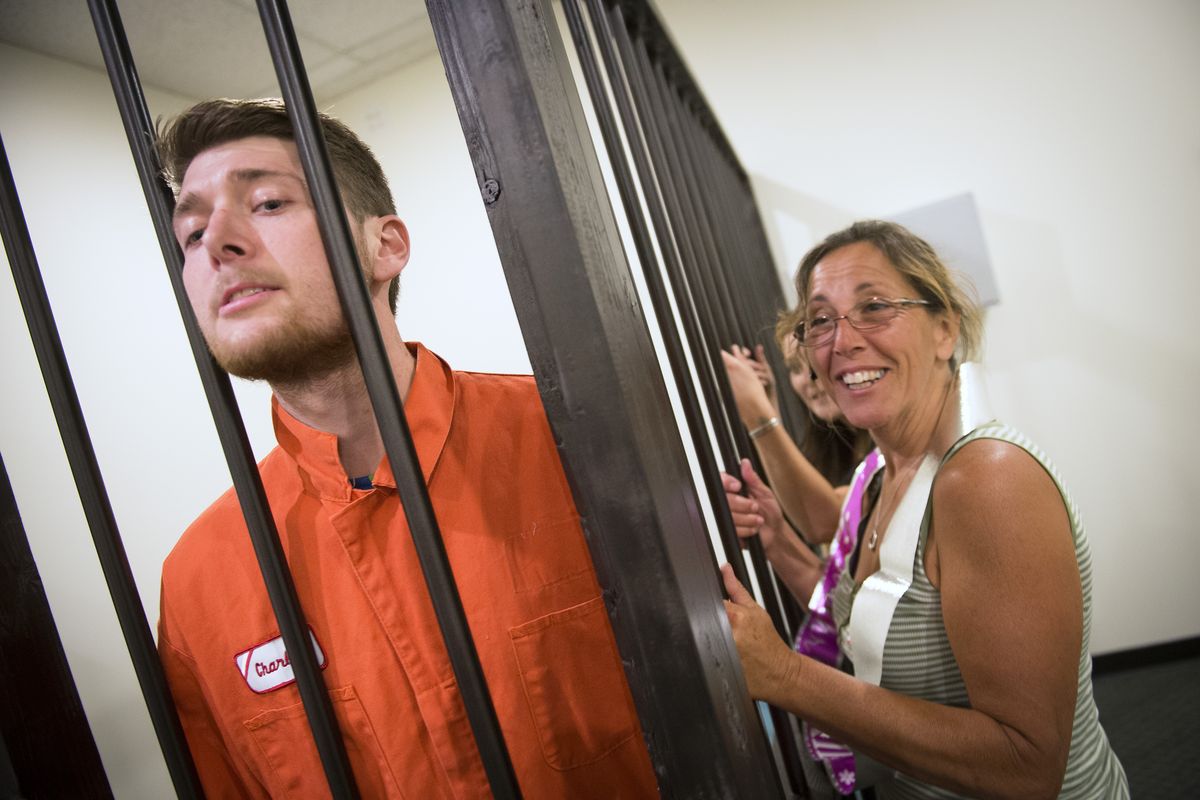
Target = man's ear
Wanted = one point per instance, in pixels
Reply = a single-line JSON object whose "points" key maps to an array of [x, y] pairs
{"points": [[391, 248]]}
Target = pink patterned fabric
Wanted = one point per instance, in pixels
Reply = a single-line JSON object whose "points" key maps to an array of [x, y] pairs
{"points": [[817, 637]]}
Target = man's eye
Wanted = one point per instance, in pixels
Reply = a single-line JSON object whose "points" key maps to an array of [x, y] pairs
{"points": [[271, 205], [193, 237]]}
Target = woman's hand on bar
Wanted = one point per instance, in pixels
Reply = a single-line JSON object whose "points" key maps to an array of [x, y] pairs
{"points": [[757, 512], [767, 661], [755, 403]]}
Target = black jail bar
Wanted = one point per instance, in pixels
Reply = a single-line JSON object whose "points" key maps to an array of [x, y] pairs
{"points": [[42, 722], [699, 264], [385, 399], [691, 215], [669, 176], [643, 237], [567, 274]]}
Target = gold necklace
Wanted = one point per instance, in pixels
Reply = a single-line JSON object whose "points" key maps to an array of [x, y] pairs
{"points": [[902, 480], [873, 542]]}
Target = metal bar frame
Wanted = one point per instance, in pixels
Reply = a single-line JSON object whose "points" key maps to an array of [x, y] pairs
{"points": [[693, 221], [652, 93], [558, 245], [657, 287], [385, 399], [732, 277]]}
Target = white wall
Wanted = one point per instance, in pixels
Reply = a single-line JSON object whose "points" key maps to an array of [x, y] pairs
{"points": [[1077, 127], [1077, 136]]}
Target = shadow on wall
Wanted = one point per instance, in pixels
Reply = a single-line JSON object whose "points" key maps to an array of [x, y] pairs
{"points": [[794, 222]]}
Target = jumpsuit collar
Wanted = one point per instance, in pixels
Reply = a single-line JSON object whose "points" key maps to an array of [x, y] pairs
{"points": [[429, 409]]}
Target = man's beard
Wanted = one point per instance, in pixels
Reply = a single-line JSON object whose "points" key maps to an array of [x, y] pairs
{"points": [[296, 352], [300, 350]]}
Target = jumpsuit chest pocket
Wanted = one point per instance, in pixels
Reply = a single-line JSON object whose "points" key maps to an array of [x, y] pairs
{"points": [[290, 766], [574, 684]]}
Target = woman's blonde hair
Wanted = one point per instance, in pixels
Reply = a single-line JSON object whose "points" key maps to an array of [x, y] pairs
{"points": [[914, 259]]}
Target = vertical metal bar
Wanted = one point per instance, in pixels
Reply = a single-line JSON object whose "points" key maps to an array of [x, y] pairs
{"points": [[8, 776], [385, 398], [701, 272], [227, 417], [731, 275], [734, 284], [737, 268], [678, 172], [90, 483], [599, 380], [654, 280], [732, 440], [747, 280], [643, 241], [709, 319], [696, 223], [736, 275], [713, 379], [752, 281], [738, 216], [713, 266]]}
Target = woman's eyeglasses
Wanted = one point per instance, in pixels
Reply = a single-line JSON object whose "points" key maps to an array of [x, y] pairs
{"points": [[872, 313]]}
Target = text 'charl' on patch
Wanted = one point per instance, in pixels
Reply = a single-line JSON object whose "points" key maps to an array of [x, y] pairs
{"points": [[267, 667]]}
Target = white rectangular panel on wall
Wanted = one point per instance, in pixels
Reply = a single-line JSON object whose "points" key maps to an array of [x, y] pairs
{"points": [[954, 229]]}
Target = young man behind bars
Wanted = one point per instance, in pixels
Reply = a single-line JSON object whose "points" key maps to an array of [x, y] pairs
{"points": [[258, 279]]}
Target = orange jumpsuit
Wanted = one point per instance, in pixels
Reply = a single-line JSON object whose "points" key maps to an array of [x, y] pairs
{"points": [[527, 584]]}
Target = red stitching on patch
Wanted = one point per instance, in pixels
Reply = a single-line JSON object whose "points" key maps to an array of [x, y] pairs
{"points": [[250, 651]]}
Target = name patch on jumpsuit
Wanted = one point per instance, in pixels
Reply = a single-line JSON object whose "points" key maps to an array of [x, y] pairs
{"points": [[267, 667]]}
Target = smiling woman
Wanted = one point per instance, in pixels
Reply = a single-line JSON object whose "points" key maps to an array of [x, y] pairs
{"points": [[966, 616]]}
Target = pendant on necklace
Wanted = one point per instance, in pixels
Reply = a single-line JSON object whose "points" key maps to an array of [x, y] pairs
{"points": [[874, 540]]}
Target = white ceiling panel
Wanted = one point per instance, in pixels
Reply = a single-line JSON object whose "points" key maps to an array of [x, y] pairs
{"points": [[209, 48]]}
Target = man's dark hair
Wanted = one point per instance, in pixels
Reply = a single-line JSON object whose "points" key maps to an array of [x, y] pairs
{"points": [[210, 123]]}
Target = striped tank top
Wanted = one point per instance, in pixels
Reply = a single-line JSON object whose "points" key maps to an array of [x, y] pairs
{"points": [[918, 661]]}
